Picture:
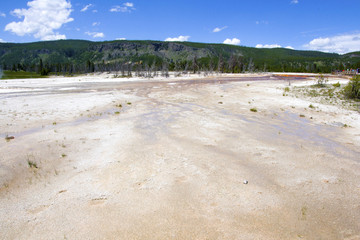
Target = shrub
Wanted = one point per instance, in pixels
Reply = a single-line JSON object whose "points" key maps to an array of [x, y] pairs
{"points": [[352, 89], [336, 84], [253, 109], [321, 81]]}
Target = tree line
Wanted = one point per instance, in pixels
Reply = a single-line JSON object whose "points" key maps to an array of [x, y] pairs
{"points": [[147, 65]]}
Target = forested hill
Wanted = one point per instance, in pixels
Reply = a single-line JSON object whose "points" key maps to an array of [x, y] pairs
{"points": [[71, 56]]}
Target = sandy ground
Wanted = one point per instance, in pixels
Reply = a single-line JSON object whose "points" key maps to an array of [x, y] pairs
{"points": [[167, 159]]}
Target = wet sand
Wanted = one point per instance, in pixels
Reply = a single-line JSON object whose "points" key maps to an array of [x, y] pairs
{"points": [[167, 159]]}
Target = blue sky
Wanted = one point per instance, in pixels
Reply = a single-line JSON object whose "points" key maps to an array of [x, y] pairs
{"points": [[324, 25]]}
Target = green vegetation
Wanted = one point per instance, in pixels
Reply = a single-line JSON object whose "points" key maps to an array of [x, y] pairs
{"points": [[347, 97], [253, 109], [321, 81], [337, 85], [31, 163], [352, 89], [69, 57], [20, 74]]}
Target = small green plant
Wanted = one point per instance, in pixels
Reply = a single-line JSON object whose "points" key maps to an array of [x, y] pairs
{"points": [[253, 109], [352, 89], [63, 155], [54, 123], [337, 85], [311, 106], [287, 89], [220, 102], [118, 105], [321, 81], [117, 113], [302, 115], [32, 164], [128, 103], [304, 210]]}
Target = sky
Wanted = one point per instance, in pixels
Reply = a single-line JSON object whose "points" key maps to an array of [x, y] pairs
{"points": [[322, 25]]}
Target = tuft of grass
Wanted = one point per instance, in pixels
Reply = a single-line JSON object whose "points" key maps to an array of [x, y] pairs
{"points": [[117, 113], [220, 102], [287, 89], [302, 115], [54, 123], [337, 85], [304, 210], [311, 106], [128, 103], [32, 164], [118, 105], [253, 109], [63, 155]]}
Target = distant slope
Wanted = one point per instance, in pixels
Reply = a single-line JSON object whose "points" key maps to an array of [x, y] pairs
{"points": [[80, 55]]}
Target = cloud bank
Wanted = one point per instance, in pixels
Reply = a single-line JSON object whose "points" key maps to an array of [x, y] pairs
{"points": [[178, 39], [338, 44], [272, 46], [233, 41], [41, 19]]}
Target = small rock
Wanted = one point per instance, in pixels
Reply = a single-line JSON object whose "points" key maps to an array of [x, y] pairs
{"points": [[246, 182]]}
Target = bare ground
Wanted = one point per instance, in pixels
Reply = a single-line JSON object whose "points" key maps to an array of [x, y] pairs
{"points": [[167, 159]]}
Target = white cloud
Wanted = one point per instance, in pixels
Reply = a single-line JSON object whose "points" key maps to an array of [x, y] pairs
{"points": [[178, 39], [95, 34], [294, 1], [339, 44], [125, 7], [290, 47], [128, 4], [96, 24], [219, 29], [2, 14], [268, 46], [262, 22], [41, 19], [86, 7], [121, 39], [1, 41], [233, 41]]}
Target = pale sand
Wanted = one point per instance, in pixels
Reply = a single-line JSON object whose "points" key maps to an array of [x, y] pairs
{"points": [[171, 164]]}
